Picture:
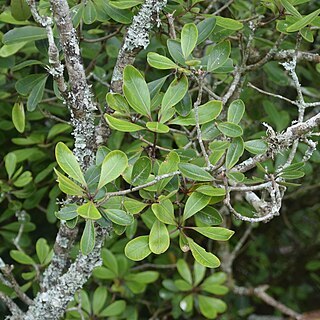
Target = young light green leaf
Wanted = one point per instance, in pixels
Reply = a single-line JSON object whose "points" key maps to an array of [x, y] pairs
{"points": [[211, 191], [256, 146], [292, 174], [99, 299], [228, 23], [23, 179], [10, 161], [23, 34], [20, 10], [230, 129], [114, 309], [290, 8], [160, 62], [58, 129], [186, 304], [175, 51], [36, 95], [236, 111], [119, 217], [125, 4], [89, 211], [117, 102], [159, 239], [138, 248], [209, 306], [205, 28], [164, 211], [205, 258], [302, 22], [175, 92], [88, 238], [68, 162], [112, 167], [194, 204], [234, 152], [194, 172], [18, 116], [215, 233], [122, 125], [184, 270], [216, 289], [136, 90], [219, 55], [157, 127], [68, 186], [68, 212], [42, 249], [169, 165], [141, 171], [21, 257], [189, 37]]}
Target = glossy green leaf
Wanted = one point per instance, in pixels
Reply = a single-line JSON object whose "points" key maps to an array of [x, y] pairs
{"points": [[216, 289], [122, 125], [21, 257], [36, 95], [42, 249], [304, 21], [23, 179], [234, 152], [159, 239], [228, 23], [209, 306], [209, 216], [236, 111], [88, 238], [89, 12], [215, 233], [119, 15], [20, 10], [68, 162], [8, 50], [164, 211], [18, 116], [157, 127], [114, 309], [27, 83], [58, 129], [125, 4], [211, 191], [68, 212], [218, 56], [169, 165], [205, 258], [68, 186], [117, 102], [194, 204], [205, 28], [292, 175], [290, 8], [141, 171], [99, 299], [189, 37], [138, 248], [184, 270], [194, 172], [175, 51], [136, 90], [186, 304], [119, 217], [89, 211], [160, 62], [183, 285], [175, 92], [112, 167], [24, 34], [215, 278], [230, 129], [256, 146], [199, 272], [10, 163]]}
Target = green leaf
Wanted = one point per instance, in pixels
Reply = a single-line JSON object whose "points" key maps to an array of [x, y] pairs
{"points": [[302, 22], [209, 216], [184, 270], [119, 15], [203, 257], [160, 62], [186, 304], [294, 166], [89, 211], [117, 102], [189, 37], [209, 306], [68, 212], [18, 116], [195, 203], [175, 92], [68, 186], [88, 238], [122, 125], [144, 277], [175, 51], [256, 146], [21, 257], [234, 152], [134, 206], [36, 95], [141, 171], [119, 217], [20, 10], [89, 12], [110, 261], [23, 179], [99, 299], [157, 127], [159, 239], [230, 129], [228, 23], [236, 111], [168, 166], [292, 174], [290, 8], [114, 309], [112, 167], [58, 129], [8, 50], [164, 211], [26, 84], [205, 28], [194, 172], [219, 55], [214, 279], [10, 164], [216, 289], [125, 4], [42, 250], [156, 85], [138, 248], [136, 90], [183, 285], [68, 162], [215, 233], [211, 191], [199, 272], [24, 34]]}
